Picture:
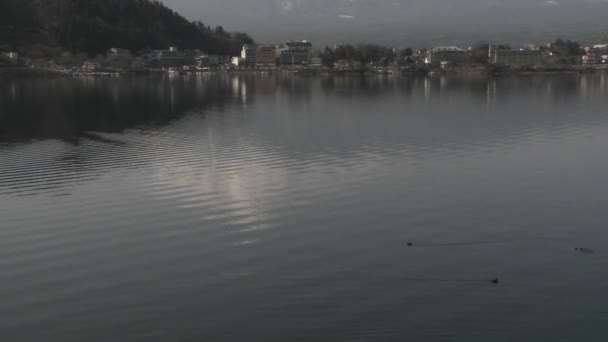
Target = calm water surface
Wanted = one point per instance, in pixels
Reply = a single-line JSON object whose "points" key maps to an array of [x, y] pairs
{"points": [[278, 208]]}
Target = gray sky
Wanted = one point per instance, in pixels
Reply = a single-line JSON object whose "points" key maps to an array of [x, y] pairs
{"points": [[404, 22]]}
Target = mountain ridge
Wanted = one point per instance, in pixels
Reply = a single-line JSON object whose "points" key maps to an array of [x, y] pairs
{"points": [[93, 26]]}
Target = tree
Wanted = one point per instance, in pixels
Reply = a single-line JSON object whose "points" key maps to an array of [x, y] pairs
{"points": [[566, 48], [480, 53], [407, 52], [219, 31], [567, 52], [328, 57], [242, 38]]}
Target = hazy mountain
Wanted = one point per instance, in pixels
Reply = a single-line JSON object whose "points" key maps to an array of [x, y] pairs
{"points": [[405, 21]]}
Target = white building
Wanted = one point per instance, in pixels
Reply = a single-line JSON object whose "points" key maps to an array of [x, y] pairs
{"points": [[248, 54], [595, 57], [12, 57], [237, 62]]}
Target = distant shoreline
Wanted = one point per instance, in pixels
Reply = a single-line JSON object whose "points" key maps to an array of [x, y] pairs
{"points": [[27, 71]]}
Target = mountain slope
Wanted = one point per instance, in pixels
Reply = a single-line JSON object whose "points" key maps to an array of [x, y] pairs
{"points": [[93, 26]]}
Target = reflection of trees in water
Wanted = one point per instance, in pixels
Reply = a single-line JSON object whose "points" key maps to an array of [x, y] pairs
{"points": [[80, 111], [67, 108]]}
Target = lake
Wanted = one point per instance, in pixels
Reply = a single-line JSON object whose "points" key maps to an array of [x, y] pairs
{"points": [[278, 207]]}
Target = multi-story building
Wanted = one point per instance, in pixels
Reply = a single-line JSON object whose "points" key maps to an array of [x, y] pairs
{"points": [[515, 58], [13, 56], [595, 57], [205, 61], [10, 57], [172, 58], [119, 58], [266, 56], [296, 53], [248, 54], [316, 62], [138, 63], [119, 53], [237, 62], [452, 54], [90, 66]]}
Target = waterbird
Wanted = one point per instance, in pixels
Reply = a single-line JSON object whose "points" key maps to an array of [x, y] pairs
{"points": [[409, 244], [495, 281], [584, 250]]}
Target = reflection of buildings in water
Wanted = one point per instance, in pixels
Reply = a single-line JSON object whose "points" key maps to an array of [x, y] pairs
{"points": [[234, 82], [491, 89], [435, 86], [490, 93], [244, 93], [584, 87], [265, 85], [592, 84], [443, 83], [548, 89], [427, 89], [239, 89], [357, 85], [14, 91], [58, 104], [160, 90], [115, 93], [199, 83], [172, 91]]}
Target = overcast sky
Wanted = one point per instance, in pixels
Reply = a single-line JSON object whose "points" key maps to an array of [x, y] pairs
{"points": [[403, 22]]}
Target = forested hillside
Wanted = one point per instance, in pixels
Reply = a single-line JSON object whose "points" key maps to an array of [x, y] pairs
{"points": [[93, 26]]}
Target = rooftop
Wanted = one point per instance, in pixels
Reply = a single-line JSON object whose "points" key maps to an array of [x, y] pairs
{"points": [[303, 43], [447, 49], [518, 52]]}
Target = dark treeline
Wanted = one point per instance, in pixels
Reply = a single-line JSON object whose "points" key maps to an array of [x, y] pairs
{"points": [[364, 53], [94, 26], [564, 52]]}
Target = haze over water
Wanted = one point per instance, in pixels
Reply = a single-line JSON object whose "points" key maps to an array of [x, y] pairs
{"points": [[277, 208]]}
